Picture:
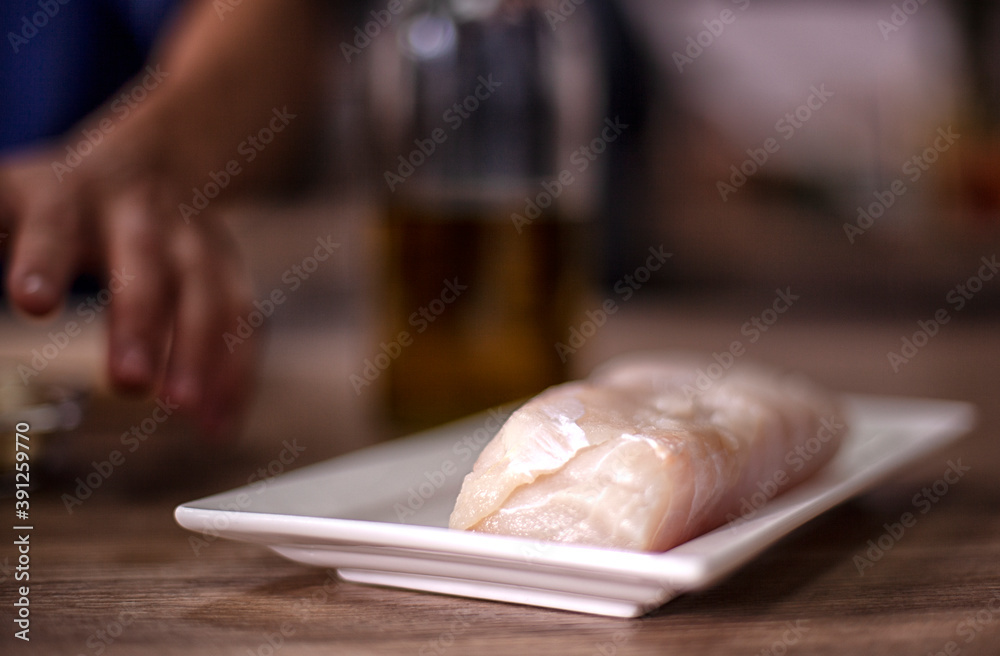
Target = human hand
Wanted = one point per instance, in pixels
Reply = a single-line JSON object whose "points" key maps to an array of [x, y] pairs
{"points": [[176, 286], [117, 211]]}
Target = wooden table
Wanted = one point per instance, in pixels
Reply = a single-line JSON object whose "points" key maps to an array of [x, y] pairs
{"points": [[117, 576]]}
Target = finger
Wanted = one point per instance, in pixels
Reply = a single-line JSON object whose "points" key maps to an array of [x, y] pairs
{"points": [[210, 369], [142, 283], [45, 245], [231, 388]]}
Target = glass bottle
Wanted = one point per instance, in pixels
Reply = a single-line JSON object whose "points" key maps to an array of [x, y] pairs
{"points": [[485, 242]]}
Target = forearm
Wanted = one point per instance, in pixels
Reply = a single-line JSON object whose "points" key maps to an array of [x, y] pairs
{"points": [[225, 78]]}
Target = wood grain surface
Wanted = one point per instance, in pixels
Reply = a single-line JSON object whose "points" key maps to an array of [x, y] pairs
{"points": [[118, 576]]}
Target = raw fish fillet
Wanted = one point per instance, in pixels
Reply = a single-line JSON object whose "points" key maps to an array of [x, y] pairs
{"points": [[648, 453]]}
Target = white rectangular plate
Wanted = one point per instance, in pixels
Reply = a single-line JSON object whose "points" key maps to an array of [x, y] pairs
{"points": [[380, 516]]}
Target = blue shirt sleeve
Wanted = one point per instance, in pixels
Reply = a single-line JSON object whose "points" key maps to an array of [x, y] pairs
{"points": [[60, 59]]}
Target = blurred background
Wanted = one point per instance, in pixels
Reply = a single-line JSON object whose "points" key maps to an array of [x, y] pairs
{"points": [[521, 190]]}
